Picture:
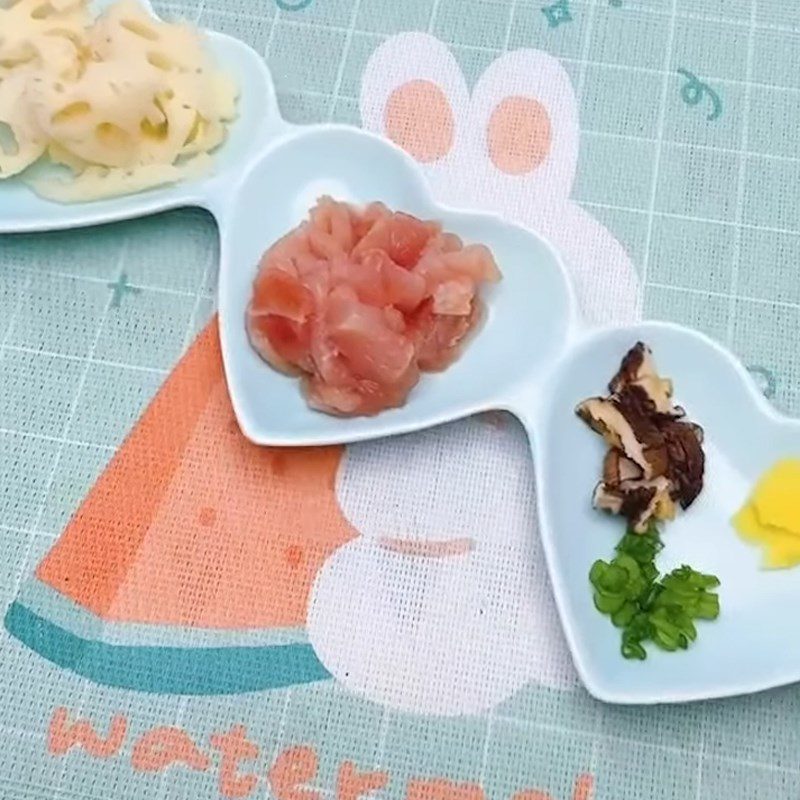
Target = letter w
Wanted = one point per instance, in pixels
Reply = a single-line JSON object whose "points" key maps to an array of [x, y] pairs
{"points": [[64, 735]]}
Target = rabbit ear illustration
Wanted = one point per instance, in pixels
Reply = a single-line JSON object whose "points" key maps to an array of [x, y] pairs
{"points": [[606, 281], [413, 92], [524, 129], [512, 148], [525, 137]]}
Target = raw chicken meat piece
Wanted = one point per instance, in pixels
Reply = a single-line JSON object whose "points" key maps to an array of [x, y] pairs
{"points": [[358, 301]]}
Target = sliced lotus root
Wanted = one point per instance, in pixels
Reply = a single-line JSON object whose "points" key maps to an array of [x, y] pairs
{"points": [[21, 140]]}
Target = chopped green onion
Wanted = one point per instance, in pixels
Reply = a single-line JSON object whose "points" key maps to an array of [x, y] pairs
{"points": [[646, 608]]}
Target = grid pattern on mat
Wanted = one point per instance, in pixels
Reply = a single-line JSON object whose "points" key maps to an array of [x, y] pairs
{"points": [[92, 321]]}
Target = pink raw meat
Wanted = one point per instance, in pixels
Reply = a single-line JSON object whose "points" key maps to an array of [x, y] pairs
{"points": [[359, 300]]}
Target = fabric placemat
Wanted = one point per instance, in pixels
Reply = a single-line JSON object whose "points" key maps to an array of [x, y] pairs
{"points": [[187, 616]]}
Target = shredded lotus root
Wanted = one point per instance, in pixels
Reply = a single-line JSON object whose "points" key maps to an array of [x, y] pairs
{"points": [[126, 102]]}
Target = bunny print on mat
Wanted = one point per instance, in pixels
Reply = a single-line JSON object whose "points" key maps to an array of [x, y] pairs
{"points": [[510, 147], [443, 604]]}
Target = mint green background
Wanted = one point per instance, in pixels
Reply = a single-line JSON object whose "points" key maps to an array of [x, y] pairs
{"points": [[715, 233]]}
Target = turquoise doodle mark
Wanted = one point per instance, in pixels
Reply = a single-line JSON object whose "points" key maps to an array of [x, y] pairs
{"points": [[296, 5], [615, 3], [765, 378], [120, 286], [557, 13], [694, 90]]}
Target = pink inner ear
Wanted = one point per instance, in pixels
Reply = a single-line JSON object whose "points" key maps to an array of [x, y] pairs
{"points": [[519, 135], [418, 117]]}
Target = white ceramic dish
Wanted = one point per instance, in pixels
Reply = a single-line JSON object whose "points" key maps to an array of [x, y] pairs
{"points": [[531, 313], [532, 357], [751, 646], [259, 121]]}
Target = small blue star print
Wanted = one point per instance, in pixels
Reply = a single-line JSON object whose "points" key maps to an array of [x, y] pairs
{"points": [[120, 286], [557, 13]]}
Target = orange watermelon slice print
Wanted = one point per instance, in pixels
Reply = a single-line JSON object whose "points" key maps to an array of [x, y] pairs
{"points": [[187, 568]]}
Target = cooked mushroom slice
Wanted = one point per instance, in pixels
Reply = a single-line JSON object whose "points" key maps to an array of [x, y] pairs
{"points": [[618, 468], [603, 418], [609, 498], [625, 425], [659, 390], [638, 369], [655, 459], [698, 431], [686, 460], [635, 364], [638, 501]]}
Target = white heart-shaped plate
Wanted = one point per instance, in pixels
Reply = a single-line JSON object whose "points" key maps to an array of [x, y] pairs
{"points": [[531, 312], [751, 645]]}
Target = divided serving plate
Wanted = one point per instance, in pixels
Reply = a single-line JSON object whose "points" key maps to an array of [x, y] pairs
{"points": [[533, 356]]}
